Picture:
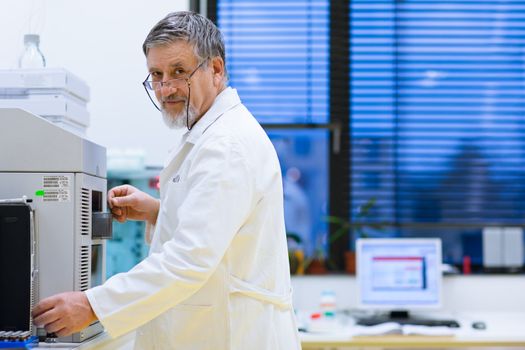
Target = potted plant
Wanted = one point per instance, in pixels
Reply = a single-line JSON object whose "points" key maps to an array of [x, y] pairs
{"points": [[356, 228], [299, 263]]}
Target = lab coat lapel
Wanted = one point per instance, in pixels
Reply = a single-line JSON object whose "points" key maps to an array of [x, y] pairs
{"points": [[224, 101], [174, 161]]}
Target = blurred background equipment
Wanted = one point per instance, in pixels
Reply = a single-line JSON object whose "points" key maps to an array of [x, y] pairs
{"points": [[55, 94]]}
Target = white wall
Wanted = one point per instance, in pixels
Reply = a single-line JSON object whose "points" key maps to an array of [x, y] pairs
{"points": [[99, 41], [473, 293]]}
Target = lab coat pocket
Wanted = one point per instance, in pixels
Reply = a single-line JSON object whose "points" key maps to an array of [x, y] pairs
{"points": [[174, 193]]}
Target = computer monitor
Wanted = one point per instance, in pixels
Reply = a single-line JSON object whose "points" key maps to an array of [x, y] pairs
{"points": [[399, 275]]}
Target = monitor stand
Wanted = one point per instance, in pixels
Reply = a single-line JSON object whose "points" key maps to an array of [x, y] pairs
{"points": [[403, 317]]}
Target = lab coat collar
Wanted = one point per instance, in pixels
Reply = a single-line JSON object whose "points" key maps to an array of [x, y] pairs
{"points": [[225, 100]]}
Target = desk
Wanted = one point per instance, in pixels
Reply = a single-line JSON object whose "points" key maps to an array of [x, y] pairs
{"points": [[504, 330]]}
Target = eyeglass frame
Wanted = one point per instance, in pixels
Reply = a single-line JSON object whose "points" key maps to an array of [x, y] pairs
{"points": [[149, 87]]}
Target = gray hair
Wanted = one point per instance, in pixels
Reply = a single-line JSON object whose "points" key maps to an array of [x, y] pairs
{"points": [[192, 27]]}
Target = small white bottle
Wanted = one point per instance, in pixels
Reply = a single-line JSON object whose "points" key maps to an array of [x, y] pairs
{"points": [[328, 303], [31, 57]]}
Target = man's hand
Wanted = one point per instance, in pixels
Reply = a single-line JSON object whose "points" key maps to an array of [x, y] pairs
{"points": [[64, 314], [128, 203]]}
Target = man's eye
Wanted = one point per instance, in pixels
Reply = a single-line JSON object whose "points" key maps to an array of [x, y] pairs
{"points": [[178, 72], [156, 75]]}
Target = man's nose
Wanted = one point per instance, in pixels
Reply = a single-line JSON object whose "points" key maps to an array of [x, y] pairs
{"points": [[166, 89]]}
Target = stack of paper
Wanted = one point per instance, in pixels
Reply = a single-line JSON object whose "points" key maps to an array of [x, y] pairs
{"points": [[396, 328]]}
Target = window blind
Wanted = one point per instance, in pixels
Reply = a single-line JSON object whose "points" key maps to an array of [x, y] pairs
{"points": [[438, 111], [277, 55]]}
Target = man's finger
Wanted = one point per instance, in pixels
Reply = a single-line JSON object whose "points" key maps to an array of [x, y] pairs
{"points": [[45, 318], [119, 218], [118, 191], [116, 211], [54, 327], [126, 201], [118, 214], [44, 305], [64, 332]]}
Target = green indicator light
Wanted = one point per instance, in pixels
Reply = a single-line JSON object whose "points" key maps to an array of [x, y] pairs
{"points": [[39, 193]]}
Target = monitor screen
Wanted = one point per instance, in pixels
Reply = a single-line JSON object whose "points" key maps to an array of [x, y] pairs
{"points": [[399, 273]]}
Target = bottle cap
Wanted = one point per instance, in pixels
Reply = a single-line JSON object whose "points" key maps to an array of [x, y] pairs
{"points": [[315, 315], [32, 38]]}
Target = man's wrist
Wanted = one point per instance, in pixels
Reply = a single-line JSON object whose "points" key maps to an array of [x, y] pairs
{"points": [[92, 316], [152, 220]]}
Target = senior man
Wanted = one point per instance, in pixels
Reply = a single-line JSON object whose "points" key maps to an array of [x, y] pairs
{"points": [[217, 276]]}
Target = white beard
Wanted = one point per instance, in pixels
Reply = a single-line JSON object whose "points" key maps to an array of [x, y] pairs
{"points": [[178, 121]]}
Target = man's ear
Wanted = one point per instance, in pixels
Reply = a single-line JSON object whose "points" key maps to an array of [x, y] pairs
{"points": [[217, 65]]}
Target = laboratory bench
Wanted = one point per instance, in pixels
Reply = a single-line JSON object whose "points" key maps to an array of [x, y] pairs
{"points": [[503, 331]]}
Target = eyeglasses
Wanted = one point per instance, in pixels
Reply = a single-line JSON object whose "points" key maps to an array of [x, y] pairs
{"points": [[175, 83], [172, 83]]}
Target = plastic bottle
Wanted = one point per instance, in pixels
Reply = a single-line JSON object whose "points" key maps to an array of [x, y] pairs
{"points": [[31, 57], [328, 303]]}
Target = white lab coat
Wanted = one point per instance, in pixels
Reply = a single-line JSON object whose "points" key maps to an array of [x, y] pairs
{"points": [[217, 276]]}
